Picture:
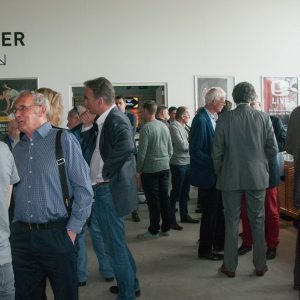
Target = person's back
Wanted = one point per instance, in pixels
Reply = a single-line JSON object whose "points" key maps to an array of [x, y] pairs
{"points": [[157, 154], [154, 153], [244, 142], [249, 130]]}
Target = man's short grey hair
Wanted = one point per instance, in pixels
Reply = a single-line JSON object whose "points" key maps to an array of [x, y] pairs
{"points": [[102, 87], [214, 94], [38, 99], [73, 112], [244, 92]]}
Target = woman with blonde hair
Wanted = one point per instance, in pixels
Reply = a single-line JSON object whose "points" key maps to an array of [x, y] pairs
{"points": [[56, 106]]}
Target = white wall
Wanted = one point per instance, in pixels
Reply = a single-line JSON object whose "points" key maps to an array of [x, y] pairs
{"points": [[70, 41]]}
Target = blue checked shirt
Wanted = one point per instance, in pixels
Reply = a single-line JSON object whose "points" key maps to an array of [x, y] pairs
{"points": [[38, 195]]}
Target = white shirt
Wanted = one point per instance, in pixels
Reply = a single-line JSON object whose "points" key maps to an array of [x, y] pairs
{"points": [[213, 118], [96, 164]]}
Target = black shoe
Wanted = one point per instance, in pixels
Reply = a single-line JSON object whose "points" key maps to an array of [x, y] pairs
{"points": [[115, 290], [109, 279], [243, 249], [189, 219], [271, 253], [135, 217], [212, 256], [218, 249], [175, 226], [81, 283]]}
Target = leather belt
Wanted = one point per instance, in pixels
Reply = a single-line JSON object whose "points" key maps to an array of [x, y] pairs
{"points": [[42, 226], [98, 184]]}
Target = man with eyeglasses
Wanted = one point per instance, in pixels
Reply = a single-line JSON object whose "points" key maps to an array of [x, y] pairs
{"points": [[43, 233]]}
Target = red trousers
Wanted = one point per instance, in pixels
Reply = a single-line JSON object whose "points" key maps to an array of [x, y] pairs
{"points": [[271, 221]]}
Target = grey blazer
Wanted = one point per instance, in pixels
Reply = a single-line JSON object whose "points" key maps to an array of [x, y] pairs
{"points": [[244, 142], [180, 144], [117, 151]]}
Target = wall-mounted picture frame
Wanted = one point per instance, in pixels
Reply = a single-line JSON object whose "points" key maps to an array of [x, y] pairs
{"points": [[204, 83], [9, 90], [280, 96]]}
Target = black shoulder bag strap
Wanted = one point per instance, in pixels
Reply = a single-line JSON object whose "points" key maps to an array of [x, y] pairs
{"points": [[62, 172]]}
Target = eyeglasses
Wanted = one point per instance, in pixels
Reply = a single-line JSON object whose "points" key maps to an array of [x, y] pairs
{"points": [[23, 108]]}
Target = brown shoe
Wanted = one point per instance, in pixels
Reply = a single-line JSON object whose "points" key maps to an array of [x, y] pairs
{"points": [[115, 290], [226, 272], [262, 272]]}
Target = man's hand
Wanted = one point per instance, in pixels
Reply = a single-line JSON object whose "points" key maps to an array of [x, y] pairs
{"points": [[87, 118], [72, 235]]}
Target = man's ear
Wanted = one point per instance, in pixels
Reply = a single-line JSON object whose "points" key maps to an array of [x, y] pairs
{"points": [[43, 109]]}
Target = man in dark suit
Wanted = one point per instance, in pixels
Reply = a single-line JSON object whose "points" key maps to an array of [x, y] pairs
{"points": [[202, 175], [244, 143], [121, 104], [113, 180], [293, 147]]}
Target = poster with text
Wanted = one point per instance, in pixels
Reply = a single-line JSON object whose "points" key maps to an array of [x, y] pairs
{"points": [[280, 96]]}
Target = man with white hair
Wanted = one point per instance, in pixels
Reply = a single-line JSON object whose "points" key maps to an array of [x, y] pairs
{"points": [[43, 232], [203, 175]]}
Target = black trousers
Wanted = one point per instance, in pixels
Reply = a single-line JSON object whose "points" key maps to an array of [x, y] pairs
{"points": [[156, 187], [38, 253], [212, 227]]}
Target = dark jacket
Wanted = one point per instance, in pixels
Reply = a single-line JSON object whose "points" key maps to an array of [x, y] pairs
{"points": [[280, 134], [116, 148], [201, 143]]}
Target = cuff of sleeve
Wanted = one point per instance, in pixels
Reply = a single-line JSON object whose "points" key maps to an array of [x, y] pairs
{"points": [[75, 225]]}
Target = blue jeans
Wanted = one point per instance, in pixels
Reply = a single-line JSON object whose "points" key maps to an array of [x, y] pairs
{"points": [[180, 190], [7, 282], [113, 233], [104, 262]]}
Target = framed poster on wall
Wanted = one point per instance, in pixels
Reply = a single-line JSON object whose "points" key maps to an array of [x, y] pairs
{"points": [[280, 96], [204, 83], [9, 90]]}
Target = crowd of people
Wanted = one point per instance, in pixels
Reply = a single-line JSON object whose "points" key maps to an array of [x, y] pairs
{"points": [[68, 182]]}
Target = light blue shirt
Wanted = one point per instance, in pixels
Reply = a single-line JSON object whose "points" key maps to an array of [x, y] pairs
{"points": [[212, 117], [38, 195]]}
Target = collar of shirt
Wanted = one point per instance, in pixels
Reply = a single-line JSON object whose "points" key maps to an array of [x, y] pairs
{"points": [[214, 117], [178, 123], [103, 117], [42, 131], [11, 140]]}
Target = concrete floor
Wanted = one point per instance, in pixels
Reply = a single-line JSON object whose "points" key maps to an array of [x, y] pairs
{"points": [[168, 269]]}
